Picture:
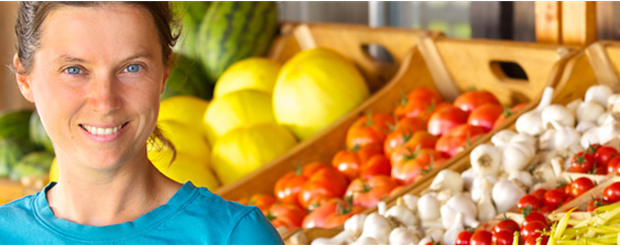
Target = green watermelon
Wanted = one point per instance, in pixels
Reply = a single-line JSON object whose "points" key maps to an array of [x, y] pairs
{"points": [[15, 125], [193, 13], [187, 78], [33, 164], [38, 135], [11, 152], [232, 31]]}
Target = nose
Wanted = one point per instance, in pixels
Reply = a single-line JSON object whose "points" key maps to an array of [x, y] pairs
{"points": [[104, 94]]}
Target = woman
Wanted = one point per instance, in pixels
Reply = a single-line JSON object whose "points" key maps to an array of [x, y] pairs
{"points": [[95, 72]]}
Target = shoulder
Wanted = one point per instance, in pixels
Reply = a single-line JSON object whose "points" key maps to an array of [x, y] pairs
{"points": [[235, 221], [18, 208], [16, 215], [215, 205]]}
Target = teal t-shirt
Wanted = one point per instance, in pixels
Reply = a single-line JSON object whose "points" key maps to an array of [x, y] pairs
{"points": [[192, 216]]}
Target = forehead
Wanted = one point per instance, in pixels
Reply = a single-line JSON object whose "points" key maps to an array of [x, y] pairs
{"points": [[99, 31]]}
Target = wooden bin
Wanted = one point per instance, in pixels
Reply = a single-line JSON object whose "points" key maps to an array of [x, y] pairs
{"points": [[598, 63], [456, 65], [350, 40]]}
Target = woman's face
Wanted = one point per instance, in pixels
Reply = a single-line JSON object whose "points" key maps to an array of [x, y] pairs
{"points": [[96, 82]]}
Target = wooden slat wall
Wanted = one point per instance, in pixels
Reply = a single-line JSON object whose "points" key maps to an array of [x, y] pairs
{"points": [[10, 98]]}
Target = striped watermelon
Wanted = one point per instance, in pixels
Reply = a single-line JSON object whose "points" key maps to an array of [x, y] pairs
{"points": [[193, 12], [232, 31]]}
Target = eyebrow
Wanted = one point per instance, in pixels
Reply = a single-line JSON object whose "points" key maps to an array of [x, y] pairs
{"points": [[70, 59]]}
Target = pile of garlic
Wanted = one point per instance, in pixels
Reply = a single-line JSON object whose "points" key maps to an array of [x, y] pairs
{"points": [[502, 171]]}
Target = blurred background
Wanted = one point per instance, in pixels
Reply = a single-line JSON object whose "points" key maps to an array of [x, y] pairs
{"points": [[490, 20]]}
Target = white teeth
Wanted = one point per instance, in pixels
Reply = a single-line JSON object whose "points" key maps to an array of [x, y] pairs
{"points": [[102, 131]]}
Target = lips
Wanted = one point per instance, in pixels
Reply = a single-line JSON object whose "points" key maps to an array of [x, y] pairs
{"points": [[102, 131]]}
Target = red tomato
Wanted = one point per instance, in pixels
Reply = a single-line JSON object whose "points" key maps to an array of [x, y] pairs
{"points": [[369, 129], [420, 102], [368, 151], [463, 238], [506, 225], [580, 186], [324, 184], [415, 166], [605, 153], [534, 240], [592, 148], [503, 238], [347, 163], [287, 188], [534, 216], [445, 119], [458, 139], [403, 132], [530, 201], [612, 166], [472, 100], [539, 193], [287, 215], [594, 203], [507, 113], [368, 192], [420, 140], [481, 237], [611, 194], [340, 216], [554, 198], [533, 229], [582, 163], [318, 215], [485, 116], [424, 93], [376, 165]]}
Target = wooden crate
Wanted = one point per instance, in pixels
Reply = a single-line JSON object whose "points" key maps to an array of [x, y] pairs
{"points": [[598, 63], [351, 41], [456, 65]]}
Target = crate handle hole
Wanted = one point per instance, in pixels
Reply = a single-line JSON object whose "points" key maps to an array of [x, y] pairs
{"points": [[378, 52], [508, 70]]}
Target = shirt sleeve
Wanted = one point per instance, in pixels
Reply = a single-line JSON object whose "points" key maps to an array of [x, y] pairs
{"points": [[254, 228]]}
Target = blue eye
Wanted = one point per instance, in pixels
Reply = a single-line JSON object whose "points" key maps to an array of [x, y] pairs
{"points": [[73, 70], [132, 68]]}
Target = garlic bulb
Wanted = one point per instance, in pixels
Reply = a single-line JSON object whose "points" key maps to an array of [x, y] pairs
{"points": [[585, 126], [404, 236], [447, 179], [506, 194], [589, 111], [428, 207], [559, 114], [355, 223], [449, 238], [486, 210], [485, 159], [377, 227], [502, 138], [402, 214], [600, 93]]}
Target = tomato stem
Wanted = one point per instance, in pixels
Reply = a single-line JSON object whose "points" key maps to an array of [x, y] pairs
{"points": [[356, 148], [368, 119]]}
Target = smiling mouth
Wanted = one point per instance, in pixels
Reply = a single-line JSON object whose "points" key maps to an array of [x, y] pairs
{"points": [[102, 131]]}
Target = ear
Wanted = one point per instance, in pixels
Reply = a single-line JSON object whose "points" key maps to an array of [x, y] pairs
{"points": [[23, 81]]}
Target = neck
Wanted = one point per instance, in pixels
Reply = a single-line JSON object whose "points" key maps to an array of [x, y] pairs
{"points": [[110, 197]]}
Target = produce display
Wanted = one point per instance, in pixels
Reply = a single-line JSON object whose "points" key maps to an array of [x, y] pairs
{"points": [[383, 153], [550, 142]]}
